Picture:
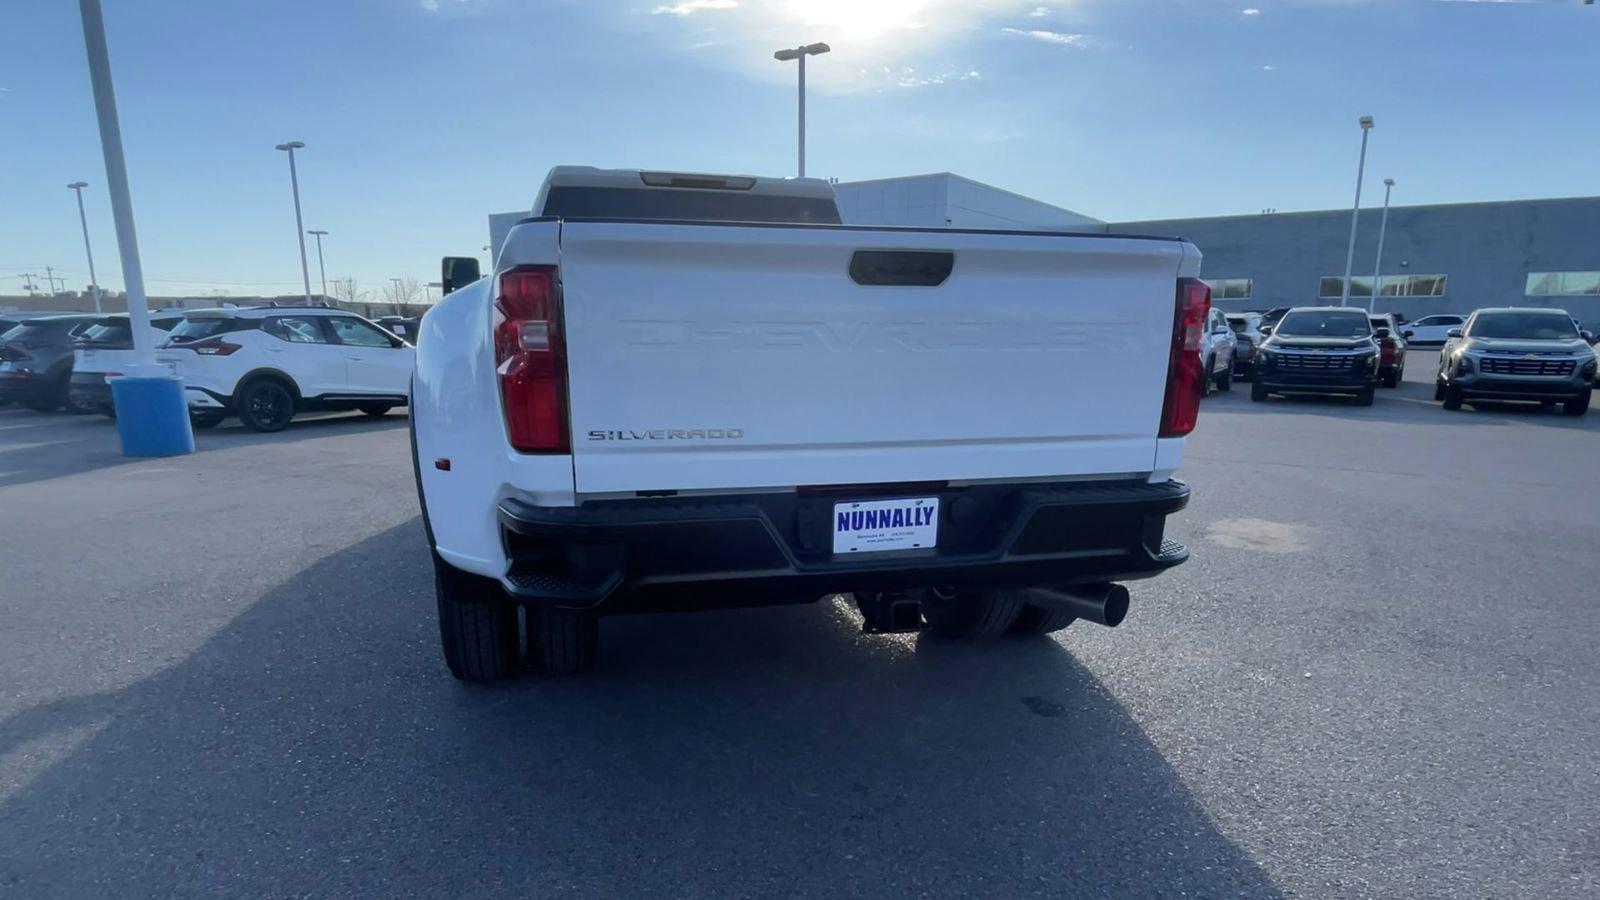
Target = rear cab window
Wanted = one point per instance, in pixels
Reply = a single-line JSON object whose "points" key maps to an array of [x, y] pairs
{"points": [[201, 327]]}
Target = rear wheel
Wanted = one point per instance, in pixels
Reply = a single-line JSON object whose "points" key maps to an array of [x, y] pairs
{"points": [[1578, 405], [1225, 379], [477, 624], [1034, 620], [266, 405], [376, 409], [1365, 396], [1438, 389], [51, 398], [1391, 379], [562, 641], [1211, 376], [971, 615], [1452, 398], [1258, 391]]}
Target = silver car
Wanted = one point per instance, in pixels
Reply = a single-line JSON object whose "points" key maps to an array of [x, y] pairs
{"points": [[1512, 353]]}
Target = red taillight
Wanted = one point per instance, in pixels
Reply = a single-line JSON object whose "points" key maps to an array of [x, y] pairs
{"points": [[530, 355], [1186, 371], [214, 347]]}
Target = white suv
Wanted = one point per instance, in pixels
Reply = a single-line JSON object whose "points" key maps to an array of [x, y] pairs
{"points": [[264, 364]]}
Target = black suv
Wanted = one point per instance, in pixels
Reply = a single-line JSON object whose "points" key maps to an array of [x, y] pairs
{"points": [[36, 359], [1319, 350]]}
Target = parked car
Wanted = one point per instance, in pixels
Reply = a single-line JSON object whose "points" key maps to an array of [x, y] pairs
{"points": [[1217, 348], [1515, 353], [1319, 350], [810, 419], [105, 349], [36, 360], [1432, 329], [1391, 349], [265, 364], [1247, 339], [403, 326]]}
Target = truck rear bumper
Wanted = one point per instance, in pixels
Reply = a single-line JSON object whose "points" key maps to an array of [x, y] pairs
{"points": [[680, 553]]}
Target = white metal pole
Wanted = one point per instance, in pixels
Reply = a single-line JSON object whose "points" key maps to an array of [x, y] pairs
{"points": [[1355, 213], [802, 113], [299, 227], [94, 283], [1383, 226], [105, 106]]}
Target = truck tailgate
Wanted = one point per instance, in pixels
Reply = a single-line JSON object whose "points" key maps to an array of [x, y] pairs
{"points": [[711, 357]]}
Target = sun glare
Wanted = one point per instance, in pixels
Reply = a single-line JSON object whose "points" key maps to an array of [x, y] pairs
{"points": [[860, 19]]}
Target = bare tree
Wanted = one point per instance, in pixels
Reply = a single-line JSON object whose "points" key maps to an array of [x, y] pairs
{"points": [[405, 294], [348, 292]]}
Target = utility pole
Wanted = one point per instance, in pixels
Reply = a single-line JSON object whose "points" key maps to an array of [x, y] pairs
{"points": [[50, 276], [1355, 212], [28, 277], [321, 270], [94, 283]]}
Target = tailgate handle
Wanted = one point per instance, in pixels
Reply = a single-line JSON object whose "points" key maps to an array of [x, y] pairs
{"points": [[914, 268]]}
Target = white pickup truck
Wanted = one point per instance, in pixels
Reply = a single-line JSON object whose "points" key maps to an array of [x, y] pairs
{"points": [[682, 392]]}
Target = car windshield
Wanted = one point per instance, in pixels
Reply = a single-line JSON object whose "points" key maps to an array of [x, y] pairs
{"points": [[37, 329], [1325, 324], [1523, 326], [198, 328], [1378, 323]]}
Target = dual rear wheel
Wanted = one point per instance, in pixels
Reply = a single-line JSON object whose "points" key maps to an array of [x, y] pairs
{"points": [[483, 632]]}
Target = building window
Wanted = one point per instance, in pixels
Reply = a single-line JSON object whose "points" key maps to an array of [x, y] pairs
{"points": [[1388, 286], [1229, 288], [1563, 284]]}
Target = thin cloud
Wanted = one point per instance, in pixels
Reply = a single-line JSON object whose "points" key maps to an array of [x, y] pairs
{"points": [[1039, 12], [433, 5], [1050, 37], [690, 7], [1250, 11]]}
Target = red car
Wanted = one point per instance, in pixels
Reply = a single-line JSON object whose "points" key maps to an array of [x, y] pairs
{"points": [[1391, 349]]}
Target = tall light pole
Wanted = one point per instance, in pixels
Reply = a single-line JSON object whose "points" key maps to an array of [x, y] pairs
{"points": [[161, 427], [800, 53], [321, 271], [94, 283], [1383, 226], [299, 227], [1355, 212]]}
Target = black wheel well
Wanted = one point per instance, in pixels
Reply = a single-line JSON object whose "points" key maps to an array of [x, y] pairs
{"points": [[259, 375]]}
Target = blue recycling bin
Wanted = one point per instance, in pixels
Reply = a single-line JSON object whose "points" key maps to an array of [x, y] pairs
{"points": [[152, 417]]}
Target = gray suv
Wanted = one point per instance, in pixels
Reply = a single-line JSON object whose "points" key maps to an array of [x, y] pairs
{"points": [[1513, 353], [36, 359]]}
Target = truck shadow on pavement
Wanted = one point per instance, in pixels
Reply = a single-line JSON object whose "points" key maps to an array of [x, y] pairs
{"points": [[315, 745]]}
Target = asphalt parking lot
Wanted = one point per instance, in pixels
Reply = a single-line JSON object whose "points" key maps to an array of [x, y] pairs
{"points": [[219, 676]]}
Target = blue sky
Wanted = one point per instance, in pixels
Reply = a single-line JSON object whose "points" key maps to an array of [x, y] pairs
{"points": [[422, 116]]}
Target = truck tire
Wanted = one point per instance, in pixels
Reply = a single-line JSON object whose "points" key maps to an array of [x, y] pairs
{"points": [[1034, 621], [1364, 397], [477, 624], [562, 641], [971, 615], [1578, 405], [1438, 389], [1452, 398], [1258, 392]]}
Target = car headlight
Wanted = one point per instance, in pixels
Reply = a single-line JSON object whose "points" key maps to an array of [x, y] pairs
{"points": [[1464, 365], [1588, 370]]}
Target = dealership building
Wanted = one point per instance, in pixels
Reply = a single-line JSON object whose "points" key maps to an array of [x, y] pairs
{"points": [[1443, 258]]}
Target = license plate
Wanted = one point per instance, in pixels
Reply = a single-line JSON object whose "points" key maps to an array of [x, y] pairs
{"points": [[868, 526]]}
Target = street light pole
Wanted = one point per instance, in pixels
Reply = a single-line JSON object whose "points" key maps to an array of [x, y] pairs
{"points": [[299, 227], [1355, 212], [322, 272], [1383, 227], [94, 283], [800, 54]]}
